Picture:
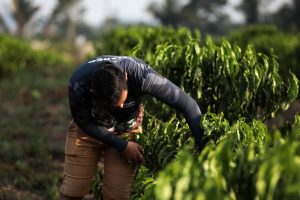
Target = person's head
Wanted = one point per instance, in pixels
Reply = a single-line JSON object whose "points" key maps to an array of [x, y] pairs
{"points": [[109, 85]]}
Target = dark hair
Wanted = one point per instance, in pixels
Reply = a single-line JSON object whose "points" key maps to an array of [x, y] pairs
{"points": [[107, 82]]}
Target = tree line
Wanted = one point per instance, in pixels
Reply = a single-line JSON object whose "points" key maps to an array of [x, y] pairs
{"points": [[65, 19]]}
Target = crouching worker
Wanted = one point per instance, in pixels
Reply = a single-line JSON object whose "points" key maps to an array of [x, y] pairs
{"points": [[105, 96]]}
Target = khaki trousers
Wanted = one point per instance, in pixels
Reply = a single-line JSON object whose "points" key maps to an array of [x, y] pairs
{"points": [[82, 154]]}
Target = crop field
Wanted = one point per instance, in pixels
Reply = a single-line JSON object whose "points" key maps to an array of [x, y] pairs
{"points": [[239, 83]]}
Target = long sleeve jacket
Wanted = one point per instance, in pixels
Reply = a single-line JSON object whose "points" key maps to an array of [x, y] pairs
{"points": [[142, 80]]}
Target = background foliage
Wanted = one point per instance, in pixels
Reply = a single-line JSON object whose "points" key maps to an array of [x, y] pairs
{"points": [[269, 40], [16, 54]]}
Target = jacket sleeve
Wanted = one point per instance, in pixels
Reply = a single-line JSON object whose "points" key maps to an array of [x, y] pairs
{"points": [[167, 92], [81, 113]]}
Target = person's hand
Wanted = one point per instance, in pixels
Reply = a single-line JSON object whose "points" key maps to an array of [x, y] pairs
{"points": [[134, 153]]}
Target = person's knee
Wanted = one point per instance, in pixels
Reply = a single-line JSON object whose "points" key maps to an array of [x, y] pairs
{"points": [[64, 197], [75, 187]]}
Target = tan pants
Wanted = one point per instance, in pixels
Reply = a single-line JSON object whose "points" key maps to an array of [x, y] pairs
{"points": [[82, 154]]}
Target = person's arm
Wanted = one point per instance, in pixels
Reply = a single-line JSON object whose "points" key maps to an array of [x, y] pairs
{"points": [[167, 92], [80, 111]]}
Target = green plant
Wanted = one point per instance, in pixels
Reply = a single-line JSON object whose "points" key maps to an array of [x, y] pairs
{"points": [[269, 40], [245, 163], [239, 84], [16, 54]]}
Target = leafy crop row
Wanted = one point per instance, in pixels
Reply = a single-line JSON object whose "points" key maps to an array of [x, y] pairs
{"points": [[244, 88], [244, 163]]}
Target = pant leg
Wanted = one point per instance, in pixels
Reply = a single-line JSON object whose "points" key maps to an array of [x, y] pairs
{"points": [[81, 158], [118, 176]]}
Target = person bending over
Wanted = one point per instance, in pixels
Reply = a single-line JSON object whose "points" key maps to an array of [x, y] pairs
{"points": [[105, 97]]}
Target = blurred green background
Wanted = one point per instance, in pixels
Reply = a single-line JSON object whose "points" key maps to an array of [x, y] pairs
{"points": [[39, 49]]}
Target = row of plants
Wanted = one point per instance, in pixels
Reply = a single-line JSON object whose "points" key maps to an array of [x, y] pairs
{"points": [[244, 88], [242, 161]]}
